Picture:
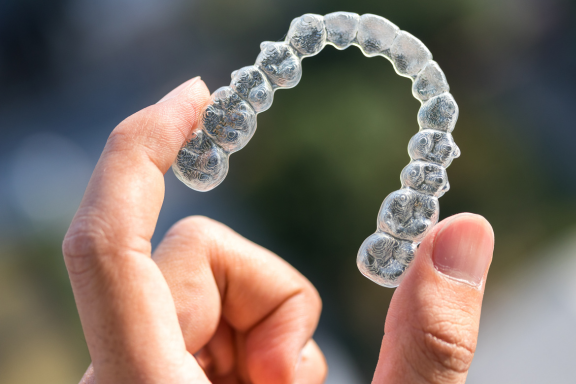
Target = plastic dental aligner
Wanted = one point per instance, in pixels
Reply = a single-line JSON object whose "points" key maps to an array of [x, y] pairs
{"points": [[406, 215]]}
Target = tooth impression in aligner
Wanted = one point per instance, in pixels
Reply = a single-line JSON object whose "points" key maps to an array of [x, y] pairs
{"points": [[228, 123]]}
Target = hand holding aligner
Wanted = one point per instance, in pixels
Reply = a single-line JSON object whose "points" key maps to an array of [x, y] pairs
{"points": [[406, 215]]}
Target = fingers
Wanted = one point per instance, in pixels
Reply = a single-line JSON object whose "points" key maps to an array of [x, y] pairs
{"points": [[432, 324], [272, 309], [127, 313], [88, 377], [311, 367], [217, 359]]}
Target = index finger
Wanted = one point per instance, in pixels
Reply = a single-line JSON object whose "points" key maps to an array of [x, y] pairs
{"points": [[124, 302]]}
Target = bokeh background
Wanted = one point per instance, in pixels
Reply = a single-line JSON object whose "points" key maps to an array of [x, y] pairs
{"points": [[311, 181]]}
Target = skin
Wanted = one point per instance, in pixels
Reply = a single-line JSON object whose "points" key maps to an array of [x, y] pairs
{"points": [[209, 306]]}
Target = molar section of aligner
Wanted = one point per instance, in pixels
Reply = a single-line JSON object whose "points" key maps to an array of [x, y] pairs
{"points": [[440, 113], [430, 82], [280, 63], [409, 55], [229, 120], [408, 215], [253, 86], [201, 164], [427, 178], [384, 259], [435, 146], [307, 34], [341, 28], [376, 35]]}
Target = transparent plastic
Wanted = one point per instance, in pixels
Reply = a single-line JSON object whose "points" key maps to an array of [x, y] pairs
{"points": [[427, 178], [307, 34], [201, 164], [384, 259], [407, 215], [376, 35], [433, 146], [229, 120], [253, 86], [280, 63], [430, 82], [341, 28], [440, 113]]}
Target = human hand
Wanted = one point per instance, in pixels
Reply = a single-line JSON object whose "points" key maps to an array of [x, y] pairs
{"points": [[432, 324], [210, 306]]}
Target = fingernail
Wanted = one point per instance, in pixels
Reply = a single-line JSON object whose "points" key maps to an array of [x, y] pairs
{"points": [[463, 249], [176, 91]]}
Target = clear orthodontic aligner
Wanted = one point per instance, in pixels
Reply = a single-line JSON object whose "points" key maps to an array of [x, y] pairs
{"points": [[406, 215]]}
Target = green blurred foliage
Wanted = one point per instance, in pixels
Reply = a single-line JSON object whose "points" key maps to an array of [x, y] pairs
{"points": [[41, 338]]}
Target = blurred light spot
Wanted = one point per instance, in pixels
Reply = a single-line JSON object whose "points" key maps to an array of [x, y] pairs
{"points": [[48, 176]]}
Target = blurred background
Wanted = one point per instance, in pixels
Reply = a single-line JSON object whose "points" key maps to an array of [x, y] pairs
{"points": [[312, 179]]}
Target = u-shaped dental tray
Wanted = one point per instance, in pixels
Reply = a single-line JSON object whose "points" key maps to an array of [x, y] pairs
{"points": [[406, 215]]}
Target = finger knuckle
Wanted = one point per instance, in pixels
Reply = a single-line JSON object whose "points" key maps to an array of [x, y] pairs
{"points": [[306, 299], [152, 126], [83, 240], [448, 346], [141, 134], [90, 242], [197, 228], [137, 122]]}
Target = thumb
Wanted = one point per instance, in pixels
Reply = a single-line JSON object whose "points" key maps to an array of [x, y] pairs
{"points": [[432, 324]]}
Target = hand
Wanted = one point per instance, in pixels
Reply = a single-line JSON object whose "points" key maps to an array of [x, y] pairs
{"points": [[432, 324], [210, 306]]}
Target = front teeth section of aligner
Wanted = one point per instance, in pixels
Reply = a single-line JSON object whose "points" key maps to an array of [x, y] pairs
{"points": [[406, 215], [430, 82], [409, 55], [376, 35], [341, 28]]}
